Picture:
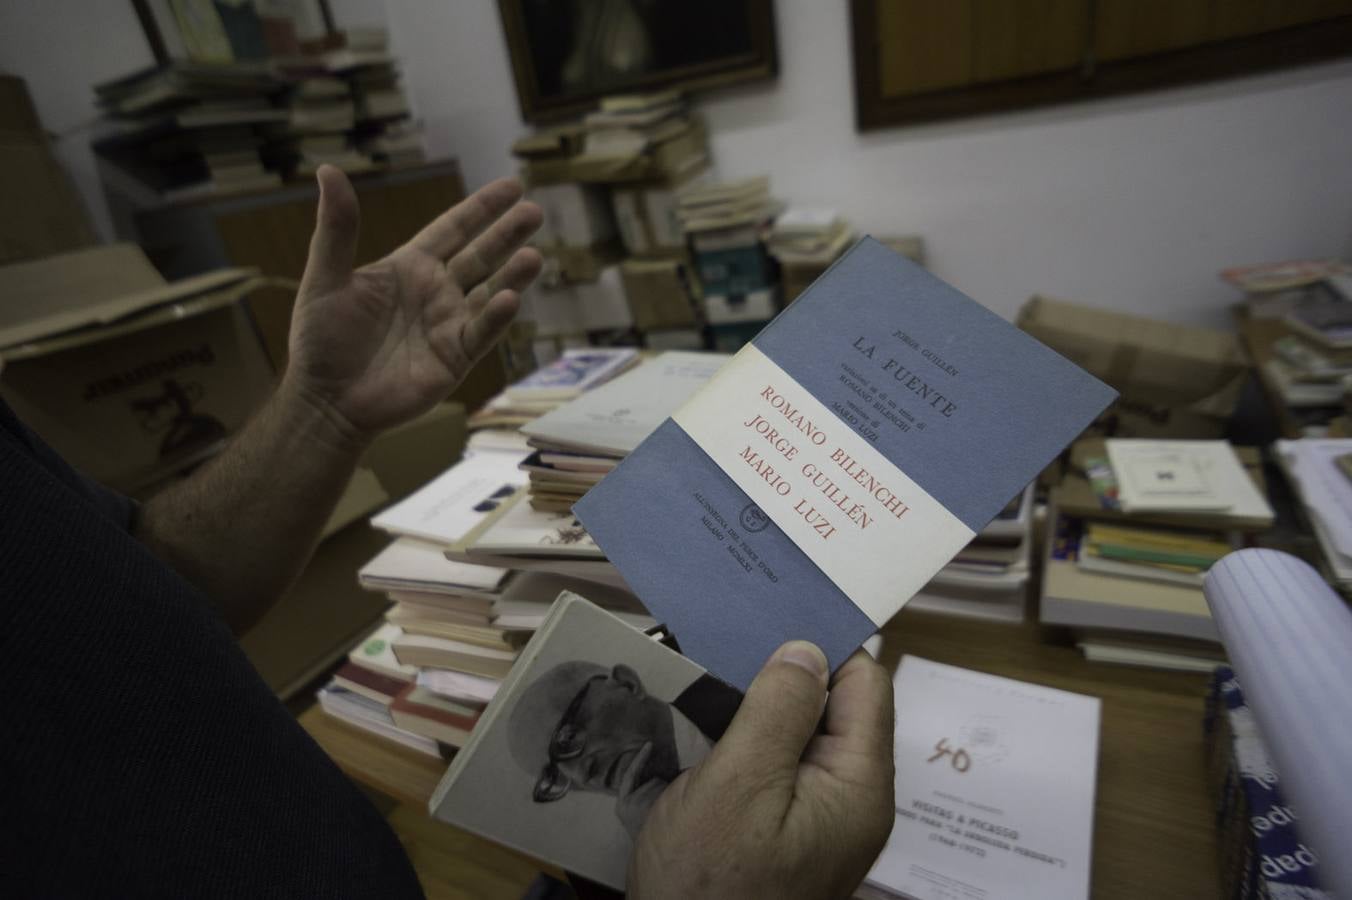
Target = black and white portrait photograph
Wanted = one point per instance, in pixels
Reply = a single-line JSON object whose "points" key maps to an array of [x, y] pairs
{"points": [[584, 741]]}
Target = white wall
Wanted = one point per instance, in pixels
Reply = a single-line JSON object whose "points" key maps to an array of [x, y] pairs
{"points": [[62, 48], [1133, 203]]}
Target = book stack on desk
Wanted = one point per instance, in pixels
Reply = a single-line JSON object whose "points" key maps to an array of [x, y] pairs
{"points": [[1261, 852], [1320, 470], [577, 443], [1132, 530], [570, 376], [989, 578]]}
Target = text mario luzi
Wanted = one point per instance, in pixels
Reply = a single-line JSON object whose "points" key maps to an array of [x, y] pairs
{"points": [[849, 487]]}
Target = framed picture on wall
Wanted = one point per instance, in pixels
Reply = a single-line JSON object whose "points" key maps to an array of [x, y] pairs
{"points": [[921, 61], [566, 54]]}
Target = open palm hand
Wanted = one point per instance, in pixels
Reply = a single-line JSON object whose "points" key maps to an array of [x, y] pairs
{"points": [[382, 344]]}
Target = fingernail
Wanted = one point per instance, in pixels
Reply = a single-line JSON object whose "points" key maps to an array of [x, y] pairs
{"points": [[805, 654]]}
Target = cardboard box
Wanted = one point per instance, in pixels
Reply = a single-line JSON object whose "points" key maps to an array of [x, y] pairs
{"points": [[128, 377], [575, 215], [43, 213], [660, 293], [754, 306], [1175, 380], [646, 214]]}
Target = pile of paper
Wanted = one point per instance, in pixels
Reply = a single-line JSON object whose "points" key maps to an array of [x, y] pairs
{"points": [[989, 578], [809, 236], [1318, 469], [580, 441]]}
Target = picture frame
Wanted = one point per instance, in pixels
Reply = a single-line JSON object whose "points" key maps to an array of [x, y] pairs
{"points": [[567, 54], [1104, 48]]}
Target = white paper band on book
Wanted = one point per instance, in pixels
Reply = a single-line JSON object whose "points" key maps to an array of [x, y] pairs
{"points": [[1288, 634], [875, 533]]}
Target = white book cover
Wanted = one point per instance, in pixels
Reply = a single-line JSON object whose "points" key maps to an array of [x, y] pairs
{"points": [[526, 603], [616, 417], [1183, 475], [450, 505], [1324, 489], [411, 563], [994, 788], [523, 531]]}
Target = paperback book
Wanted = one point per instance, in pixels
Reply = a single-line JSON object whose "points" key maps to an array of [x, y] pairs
{"points": [[835, 464], [595, 720]]}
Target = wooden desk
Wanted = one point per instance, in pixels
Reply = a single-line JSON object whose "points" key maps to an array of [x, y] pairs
{"points": [[1153, 828]]}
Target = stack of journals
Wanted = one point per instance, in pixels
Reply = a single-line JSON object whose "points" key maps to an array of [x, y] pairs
{"points": [[1132, 529], [989, 578], [807, 235], [566, 378], [1262, 853], [1320, 470], [580, 441]]}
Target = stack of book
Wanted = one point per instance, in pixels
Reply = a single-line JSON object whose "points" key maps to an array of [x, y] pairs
{"points": [[805, 241], [183, 129], [576, 444], [572, 374], [455, 626], [1320, 470], [989, 578], [1132, 529], [725, 223], [626, 126], [321, 118], [1261, 852]]}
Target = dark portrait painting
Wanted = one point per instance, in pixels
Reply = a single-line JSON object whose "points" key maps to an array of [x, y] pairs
{"points": [[567, 53]]}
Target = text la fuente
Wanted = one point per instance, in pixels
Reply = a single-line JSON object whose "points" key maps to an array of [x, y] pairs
{"points": [[909, 379], [856, 512]]}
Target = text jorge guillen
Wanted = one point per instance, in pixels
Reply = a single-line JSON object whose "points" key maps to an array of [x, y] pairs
{"points": [[858, 513]]}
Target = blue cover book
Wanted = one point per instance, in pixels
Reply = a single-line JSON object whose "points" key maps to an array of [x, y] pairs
{"points": [[835, 464]]}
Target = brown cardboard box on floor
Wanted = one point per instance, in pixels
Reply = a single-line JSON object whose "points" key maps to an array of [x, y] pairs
{"points": [[43, 214], [128, 377], [1175, 381]]}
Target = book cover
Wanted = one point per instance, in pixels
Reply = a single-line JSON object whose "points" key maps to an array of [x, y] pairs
{"points": [[574, 372], [994, 787], [453, 503], [591, 725], [617, 416], [835, 464]]}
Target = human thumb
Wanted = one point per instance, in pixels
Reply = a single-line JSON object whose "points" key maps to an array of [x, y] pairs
{"points": [[333, 246], [778, 716]]}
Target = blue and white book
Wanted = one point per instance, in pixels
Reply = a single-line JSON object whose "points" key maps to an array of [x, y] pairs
{"points": [[835, 464]]}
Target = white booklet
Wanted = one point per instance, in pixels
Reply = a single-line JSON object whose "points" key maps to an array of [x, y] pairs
{"points": [[1184, 475], [994, 790], [449, 506]]}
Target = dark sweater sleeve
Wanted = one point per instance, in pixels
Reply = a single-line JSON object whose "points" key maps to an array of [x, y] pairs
{"points": [[119, 509], [142, 755]]}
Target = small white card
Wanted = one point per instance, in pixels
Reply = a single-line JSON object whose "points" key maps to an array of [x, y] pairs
{"points": [[994, 790]]}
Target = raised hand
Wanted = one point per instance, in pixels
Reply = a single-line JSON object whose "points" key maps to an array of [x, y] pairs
{"points": [[374, 347], [777, 809]]}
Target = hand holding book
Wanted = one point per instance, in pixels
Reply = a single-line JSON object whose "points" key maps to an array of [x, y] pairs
{"points": [[778, 809]]}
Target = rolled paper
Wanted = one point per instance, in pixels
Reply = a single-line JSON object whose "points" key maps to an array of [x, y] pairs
{"points": [[1289, 636]]}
